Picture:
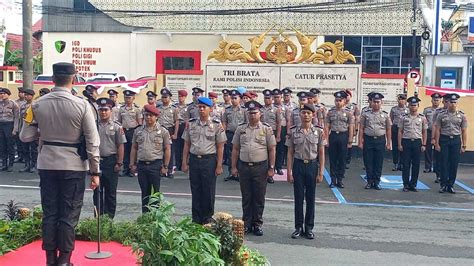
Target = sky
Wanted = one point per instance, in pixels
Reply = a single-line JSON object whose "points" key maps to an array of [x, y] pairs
{"points": [[13, 18]]}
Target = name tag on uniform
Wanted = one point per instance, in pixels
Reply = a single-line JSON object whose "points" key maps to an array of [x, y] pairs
{"points": [[262, 133], [111, 128], [159, 131]]}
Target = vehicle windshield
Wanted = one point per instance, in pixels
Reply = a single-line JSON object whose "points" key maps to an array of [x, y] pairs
{"points": [[44, 78], [100, 79]]}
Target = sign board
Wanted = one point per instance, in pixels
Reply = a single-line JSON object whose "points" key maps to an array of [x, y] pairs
{"points": [[301, 77], [414, 74], [448, 83], [390, 88], [179, 82], [470, 33], [448, 74]]}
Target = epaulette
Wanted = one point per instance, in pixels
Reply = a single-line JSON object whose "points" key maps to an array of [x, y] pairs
{"points": [[266, 124], [192, 119], [136, 105], [354, 103], [228, 107], [241, 124], [296, 109], [334, 108], [189, 104], [175, 105], [117, 122], [420, 114], [318, 126], [461, 111], [384, 111], [293, 127], [216, 120]]}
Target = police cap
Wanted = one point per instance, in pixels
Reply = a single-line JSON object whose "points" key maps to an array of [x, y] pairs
{"points": [[253, 106], [413, 100], [64, 68], [105, 103], [308, 107]]}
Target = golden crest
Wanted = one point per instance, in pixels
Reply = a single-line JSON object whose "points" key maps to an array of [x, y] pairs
{"points": [[278, 51]]}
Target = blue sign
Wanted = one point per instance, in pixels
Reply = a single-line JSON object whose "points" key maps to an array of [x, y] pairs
{"points": [[471, 25], [448, 74]]}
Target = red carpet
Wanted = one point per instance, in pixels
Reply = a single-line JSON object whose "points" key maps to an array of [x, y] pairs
{"points": [[32, 254]]}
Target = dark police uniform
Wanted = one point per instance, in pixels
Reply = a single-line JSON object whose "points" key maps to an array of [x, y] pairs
{"points": [[203, 138], [395, 114], [129, 118], [450, 126], [169, 118], [437, 154], [254, 145], [271, 115], [305, 148], [281, 148], [19, 145], [232, 118], [374, 127], [412, 129], [112, 137], [151, 143], [29, 149], [430, 158], [179, 142], [8, 117], [339, 123], [62, 118], [353, 108]]}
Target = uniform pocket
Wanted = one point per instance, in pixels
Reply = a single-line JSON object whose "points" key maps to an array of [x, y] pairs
{"points": [[210, 135]]}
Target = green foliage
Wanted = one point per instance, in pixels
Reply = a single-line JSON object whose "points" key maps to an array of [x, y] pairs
{"points": [[231, 243], [251, 257], [14, 234], [12, 58], [87, 229], [11, 211]]}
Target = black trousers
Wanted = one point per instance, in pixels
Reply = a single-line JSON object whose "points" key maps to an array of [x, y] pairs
{"points": [[281, 150], [338, 154], [127, 149], [228, 149], [429, 163], [62, 194], [108, 186], [7, 148], [19, 146], [30, 152], [178, 147], [149, 176], [450, 156], [253, 186], [437, 163], [374, 148], [395, 152], [304, 185], [202, 177], [172, 147], [411, 159]]}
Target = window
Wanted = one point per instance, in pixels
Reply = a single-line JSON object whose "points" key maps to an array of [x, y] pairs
{"points": [[391, 41], [11, 76], [353, 44], [391, 57], [372, 41], [407, 52], [1, 75], [178, 63], [371, 60], [390, 70]]}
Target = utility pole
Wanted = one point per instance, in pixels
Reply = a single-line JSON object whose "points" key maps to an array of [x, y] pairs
{"points": [[413, 36], [27, 45]]}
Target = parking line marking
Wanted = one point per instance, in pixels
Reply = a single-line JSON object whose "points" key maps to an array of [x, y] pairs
{"points": [[461, 184], [336, 191]]}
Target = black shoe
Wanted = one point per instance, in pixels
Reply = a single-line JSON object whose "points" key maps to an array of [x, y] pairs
{"points": [[32, 169], [347, 166], [297, 233], [400, 167], [340, 184], [65, 264], [450, 189], [279, 172], [227, 178], [27, 168], [332, 185], [248, 230], [437, 180], [309, 234], [413, 189], [395, 167], [427, 171], [368, 186], [270, 180], [405, 189], [377, 187], [5, 168], [130, 174], [258, 231], [236, 178], [442, 189]]}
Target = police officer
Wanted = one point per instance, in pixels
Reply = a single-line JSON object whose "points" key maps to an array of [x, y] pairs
{"points": [[395, 113], [233, 116], [217, 110], [353, 108], [193, 109], [375, 129], [271, 115], [112, 139], [294, 117], [320, 108], [305, 148], [29, 149], [203, 151], [451, 141], [411, 143], [8, 118], [113, 95], [287, 99], [44, 91], [253, 159], [181, 108], [19, 146], [130, 117], [429, 112], [150, 99], [226, 98], [281, 149], [62, 118], [437, 154], [169, 119], [339, 127], [151, 153]]}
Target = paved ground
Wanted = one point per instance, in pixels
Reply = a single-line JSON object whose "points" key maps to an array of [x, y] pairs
{"points": [[354, 226]]}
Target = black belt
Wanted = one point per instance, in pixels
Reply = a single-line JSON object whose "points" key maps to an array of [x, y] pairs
{"points": [[205, 156], [254, 163], [113, 156], [375, 137], [306, 161], [339, 132], [451, 137], [61, 144], [149, 162], [132, 128]]}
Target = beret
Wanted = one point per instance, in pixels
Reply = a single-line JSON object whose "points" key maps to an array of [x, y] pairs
{"points": [[182, 93], [151, 109], [348, 92], [206, 101], [212, 94]]}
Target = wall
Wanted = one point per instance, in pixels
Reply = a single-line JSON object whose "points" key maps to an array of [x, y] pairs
{"points": [[431, 62]]}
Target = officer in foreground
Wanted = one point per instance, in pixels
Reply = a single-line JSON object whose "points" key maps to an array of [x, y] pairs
{"points": [[374, 138], [62, 163], [411, 143], [339, 127], [305, 149], [451, 141], [428, 112], [112, 139], [203, 151], [8, 118], [253, 159]]}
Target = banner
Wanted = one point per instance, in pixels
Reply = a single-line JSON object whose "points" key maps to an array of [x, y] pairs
{"points": [[470, 33]]}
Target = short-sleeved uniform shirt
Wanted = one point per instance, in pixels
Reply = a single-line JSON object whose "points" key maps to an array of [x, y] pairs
{"points": [[451, 123], [305, 144], [412, 126], [129, 116], [111, 136], [203, 136], [151, 142], [254, 141], [375, 123]]}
